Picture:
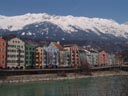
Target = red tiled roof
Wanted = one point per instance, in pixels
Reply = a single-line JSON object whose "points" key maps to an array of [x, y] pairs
{"points": [[58, 46]]}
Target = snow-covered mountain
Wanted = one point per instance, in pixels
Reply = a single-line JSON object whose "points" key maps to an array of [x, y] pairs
{"points": [[42, 25]]}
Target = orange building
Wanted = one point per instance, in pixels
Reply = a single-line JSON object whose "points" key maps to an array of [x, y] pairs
{"points": [[3, 52]]}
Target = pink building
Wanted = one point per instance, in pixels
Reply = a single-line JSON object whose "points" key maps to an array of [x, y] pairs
{"points": [[3, 55], [74, 55], [103, 58], [75, 58]]}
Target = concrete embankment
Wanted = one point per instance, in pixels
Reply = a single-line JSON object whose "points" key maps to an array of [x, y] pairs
{"points": [[45, 77]]}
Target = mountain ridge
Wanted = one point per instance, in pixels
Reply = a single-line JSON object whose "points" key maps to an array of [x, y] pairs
{"points": [[68, 24]]}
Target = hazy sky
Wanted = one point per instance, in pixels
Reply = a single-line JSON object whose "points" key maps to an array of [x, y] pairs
{"points": [[111, 9]]}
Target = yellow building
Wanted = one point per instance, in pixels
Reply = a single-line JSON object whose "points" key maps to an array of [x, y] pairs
{"points": [[39, 57]]}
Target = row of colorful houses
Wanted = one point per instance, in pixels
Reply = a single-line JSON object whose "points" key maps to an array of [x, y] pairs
{"points": [[16, 53]]}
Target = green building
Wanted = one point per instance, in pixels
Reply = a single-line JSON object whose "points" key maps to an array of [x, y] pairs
{"points": [[30, 57]]}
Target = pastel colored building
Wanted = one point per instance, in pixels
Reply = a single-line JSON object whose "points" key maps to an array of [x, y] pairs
{"points": [[3, 53], [15, 53], [39, 57], [103, 58], [61, 53], [88, 57], [51, 56], [66, 58], [112, 59], [30, 56], [83, 57], [118, 58], [74, 55], [94, 58]]}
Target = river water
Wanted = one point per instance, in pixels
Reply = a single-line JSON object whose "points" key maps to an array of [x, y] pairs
{"points": [[96, 86]]}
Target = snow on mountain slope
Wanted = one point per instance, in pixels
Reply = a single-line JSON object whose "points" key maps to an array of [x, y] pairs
{"points": [[66, 23]]}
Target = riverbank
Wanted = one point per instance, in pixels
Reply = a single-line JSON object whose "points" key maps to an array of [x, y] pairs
{"points": [[46, 77]]}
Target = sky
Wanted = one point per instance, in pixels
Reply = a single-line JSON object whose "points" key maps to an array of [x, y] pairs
{"points": [[109, 9]]}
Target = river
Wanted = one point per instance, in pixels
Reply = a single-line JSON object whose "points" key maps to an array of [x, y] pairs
{"points": [[92, 86]]}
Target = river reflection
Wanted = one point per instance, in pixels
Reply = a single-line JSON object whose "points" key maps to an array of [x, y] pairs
{"points": [[99, 86]]}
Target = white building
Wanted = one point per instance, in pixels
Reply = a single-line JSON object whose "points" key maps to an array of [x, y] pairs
{"points": [[15, 53]]}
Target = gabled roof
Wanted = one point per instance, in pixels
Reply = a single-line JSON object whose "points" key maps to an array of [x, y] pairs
{"points": [[58, 46], [1, 38], [71, 45]]}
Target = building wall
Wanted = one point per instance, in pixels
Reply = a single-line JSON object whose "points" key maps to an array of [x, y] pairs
{"points": [[30, 58], [75, 58], [118, 59], [94, 58], [103, 58], [83, 58], [2, 53], [51, 55], [15, 53], [111, 59], [88, 57], [67, 58], [39, 57], [61, 58]]}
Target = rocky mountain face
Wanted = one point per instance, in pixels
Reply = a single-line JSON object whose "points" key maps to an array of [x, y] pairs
{"points": [[64, 28]]}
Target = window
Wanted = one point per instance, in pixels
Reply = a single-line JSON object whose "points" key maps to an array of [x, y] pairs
{"points": [[21, 61], [26, 57], [2, 56], [3, 44], [18, 46], [3, 62], [3, 50]]}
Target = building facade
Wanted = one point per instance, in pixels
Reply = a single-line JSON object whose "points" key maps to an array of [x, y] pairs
{"points": [[94, 58], [103, 58], [67, 58], [30, 56], [39, 57], [88, 56], [112, 59], [74, 55], [118, 58], [15, 53], [51, 55], [3, 53], [61, 53], [83, 58]]}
